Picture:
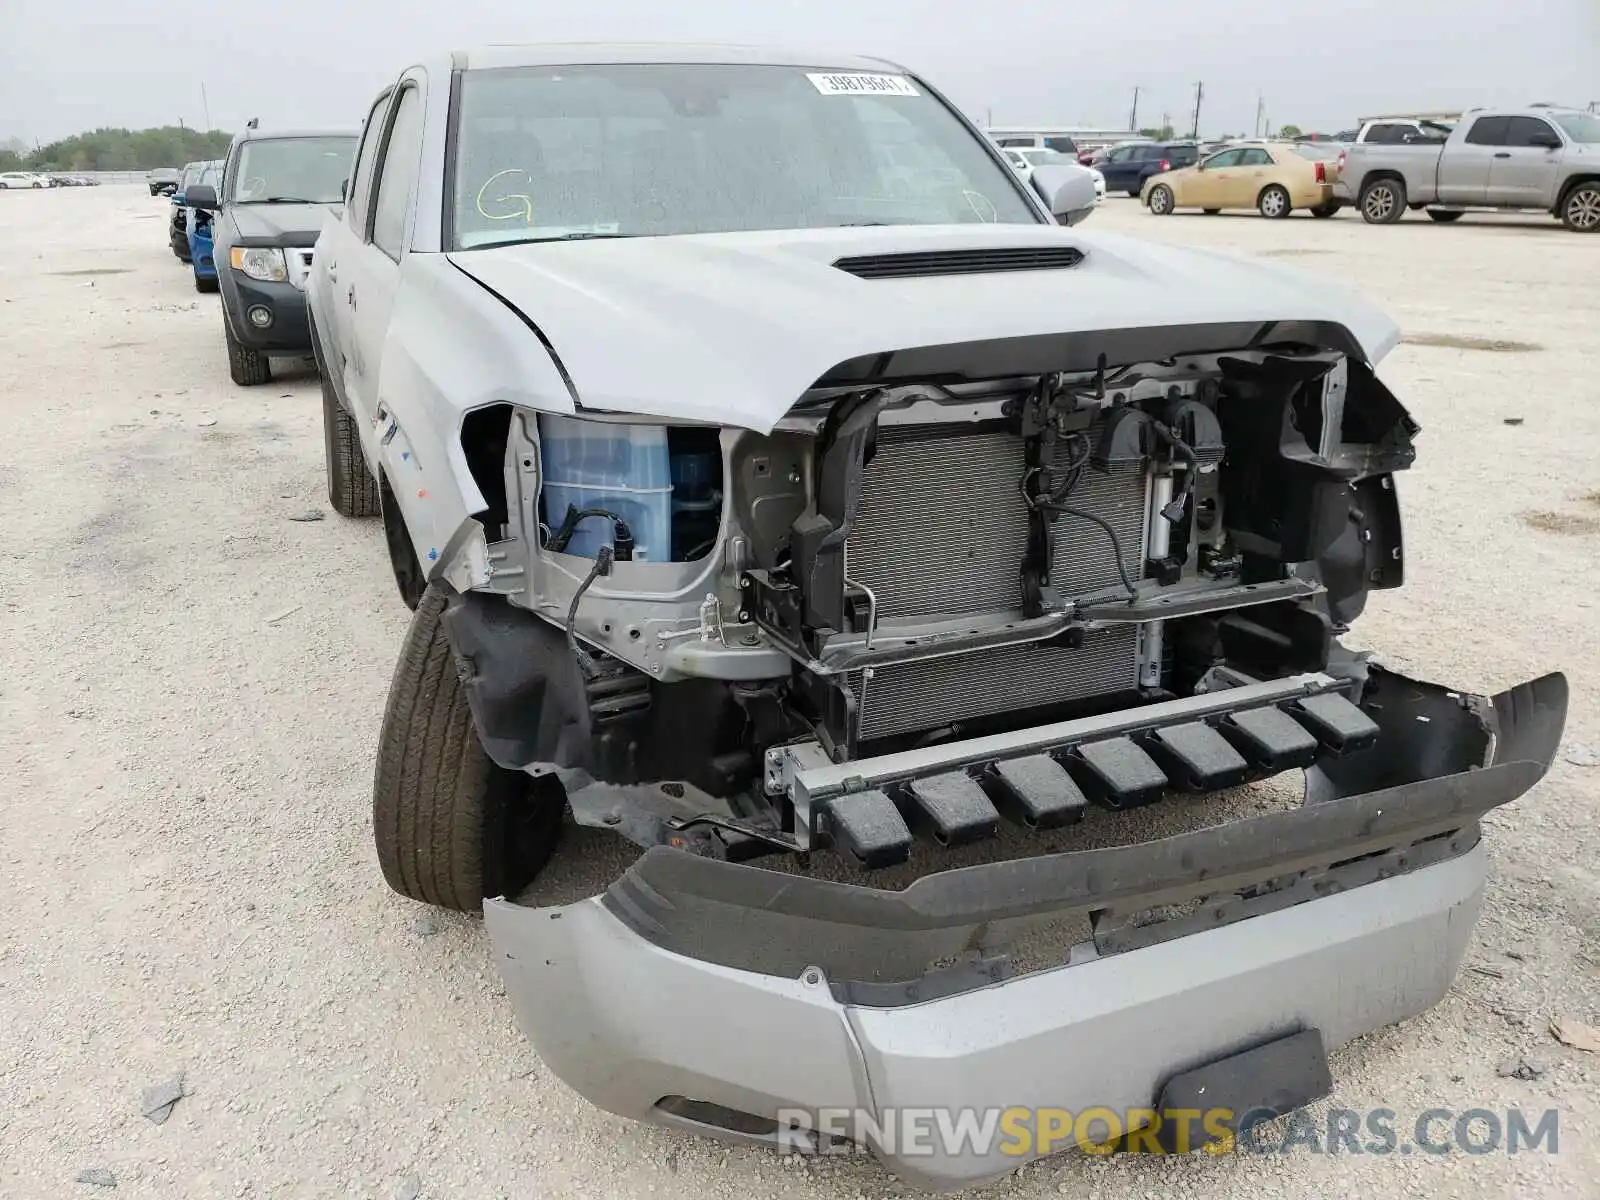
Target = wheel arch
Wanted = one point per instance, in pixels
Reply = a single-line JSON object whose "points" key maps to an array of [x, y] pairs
{"points": [[1572, 185]]}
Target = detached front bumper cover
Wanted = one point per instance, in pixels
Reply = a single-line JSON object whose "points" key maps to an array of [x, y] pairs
{"points": [[712, 995]]}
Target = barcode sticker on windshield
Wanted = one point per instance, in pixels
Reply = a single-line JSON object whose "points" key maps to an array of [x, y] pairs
{"points": [[863, 85]]}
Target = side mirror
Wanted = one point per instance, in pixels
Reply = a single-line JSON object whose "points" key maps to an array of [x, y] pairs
{"points": [[1067, 191], [1549, 141], [202, 196]]}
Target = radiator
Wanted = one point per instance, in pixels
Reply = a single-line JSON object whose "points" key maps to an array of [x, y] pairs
{"points": [[941, 529]]}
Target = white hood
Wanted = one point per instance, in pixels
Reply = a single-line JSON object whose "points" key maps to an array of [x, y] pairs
{"points": [[734, 328]]}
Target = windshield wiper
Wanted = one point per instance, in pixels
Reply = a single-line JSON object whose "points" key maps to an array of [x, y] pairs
{"points": [[569, 237], [287, 200]]}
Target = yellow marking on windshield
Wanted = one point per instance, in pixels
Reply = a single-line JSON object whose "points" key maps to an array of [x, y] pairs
{"points": [[525, 211]]}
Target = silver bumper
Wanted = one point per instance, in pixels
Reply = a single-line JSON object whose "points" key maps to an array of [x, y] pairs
{"points": [[626, 1023], [747, 991]]}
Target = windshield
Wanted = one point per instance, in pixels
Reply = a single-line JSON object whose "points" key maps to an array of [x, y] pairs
{"points": [[1580, 127], [191, 174], [645, 149], [307, 170], [1041, 158]]}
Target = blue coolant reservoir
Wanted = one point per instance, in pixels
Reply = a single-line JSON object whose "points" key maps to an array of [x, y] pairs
{"points": [[624, 469]]}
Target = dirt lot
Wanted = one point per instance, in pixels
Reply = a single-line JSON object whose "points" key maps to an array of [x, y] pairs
{"points": [[190, 699]]}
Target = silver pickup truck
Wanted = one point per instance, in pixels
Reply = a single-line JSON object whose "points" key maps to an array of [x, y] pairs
{"points": [[1534, 158]]}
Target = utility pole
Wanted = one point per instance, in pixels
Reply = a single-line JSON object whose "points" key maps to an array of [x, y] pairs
{"points": [[1133, 114], [1261, 105], [1166, 124], [1199, 95], [205, 105]]}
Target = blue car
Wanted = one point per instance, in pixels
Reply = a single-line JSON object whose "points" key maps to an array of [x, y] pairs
{"points": [[197, 225]]}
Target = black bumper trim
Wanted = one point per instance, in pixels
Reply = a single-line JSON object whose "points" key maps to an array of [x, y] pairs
{"points": [[749, 918]]}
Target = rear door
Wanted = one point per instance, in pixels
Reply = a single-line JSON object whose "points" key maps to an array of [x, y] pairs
{"points": [[1523, 172], [370, 276], [1244, 182], [1465, 164]]}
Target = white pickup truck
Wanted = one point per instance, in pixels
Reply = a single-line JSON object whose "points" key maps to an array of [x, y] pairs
{"points": [[781, 485], [1534, 158]]}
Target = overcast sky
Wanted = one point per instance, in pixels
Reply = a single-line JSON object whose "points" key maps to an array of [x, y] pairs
{"points": [[70, 65]]}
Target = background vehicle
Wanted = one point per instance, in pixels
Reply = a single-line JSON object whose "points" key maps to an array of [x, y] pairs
{"points": [[1402, 131], [163, 181], [178, 214], [749, 505], [277, 187], [1043, 139], [21, 179], [1533, 158], [1034, 156], [1274, 179], [1127, 167], [199, 230]]}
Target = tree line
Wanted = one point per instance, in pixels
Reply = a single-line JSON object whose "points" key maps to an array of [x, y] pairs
{"points": [[121, 150]]}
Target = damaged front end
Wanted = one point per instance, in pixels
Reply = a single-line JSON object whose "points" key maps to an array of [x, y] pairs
{"points": [[953, 594]]}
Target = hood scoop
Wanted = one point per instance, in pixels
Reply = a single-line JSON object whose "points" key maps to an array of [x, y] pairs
{"points": [[984, 261]]}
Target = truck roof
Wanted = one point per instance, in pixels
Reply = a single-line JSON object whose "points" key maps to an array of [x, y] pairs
{"points": [[263, 135], [541, 54]]}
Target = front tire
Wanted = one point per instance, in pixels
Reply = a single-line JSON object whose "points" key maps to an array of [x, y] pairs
{"points": [[1161, 200], [451, 826], [249, 368], [1580, 212], [352, 491], [1274, 203], [1324, 211], [1444, 216], [1383, 201], [204, 285]]}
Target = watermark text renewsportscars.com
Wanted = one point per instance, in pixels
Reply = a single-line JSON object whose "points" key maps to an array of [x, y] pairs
{"points": [[1032, 1132]]}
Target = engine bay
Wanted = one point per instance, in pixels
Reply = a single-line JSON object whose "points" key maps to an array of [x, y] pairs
{"points": [[919, 563]]}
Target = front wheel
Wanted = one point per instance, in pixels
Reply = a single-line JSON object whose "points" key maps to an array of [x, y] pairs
{"points": [[1326, 210], [247, 367], [204, 284], [1444, 216], [1274, 203], [1383, 201], [1581, 212], [1161, 200], [451, 826]]}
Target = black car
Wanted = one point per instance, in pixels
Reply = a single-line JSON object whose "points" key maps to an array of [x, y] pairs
{"points": [[178, 215], [1127, 167], [276, 188]]}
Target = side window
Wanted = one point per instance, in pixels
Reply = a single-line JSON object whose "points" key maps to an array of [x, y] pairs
{"points": [[1387, 135], [1528, 131], [361, 177], [1228, 158], [1121, 155], [1255, 158], [396, 174], [1489, 131], [1183, 156]]}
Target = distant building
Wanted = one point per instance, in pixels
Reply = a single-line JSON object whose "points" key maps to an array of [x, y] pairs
{"points": [[1085, 137]]}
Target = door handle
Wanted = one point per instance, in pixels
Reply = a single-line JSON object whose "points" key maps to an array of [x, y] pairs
{"points": [[1503, 154], [350, 295]]}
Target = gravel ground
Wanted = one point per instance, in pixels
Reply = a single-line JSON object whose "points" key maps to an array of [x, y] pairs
{"points": [[191, 693]]}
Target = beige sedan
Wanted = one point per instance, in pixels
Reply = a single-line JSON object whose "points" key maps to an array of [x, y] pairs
{"points": [[1274, 179]]}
